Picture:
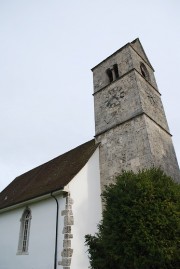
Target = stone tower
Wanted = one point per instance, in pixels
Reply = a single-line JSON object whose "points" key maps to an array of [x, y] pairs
{"points": [[130, 122]]}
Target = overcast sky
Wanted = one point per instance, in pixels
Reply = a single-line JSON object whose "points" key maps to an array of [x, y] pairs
{"points": [[47, 48]]}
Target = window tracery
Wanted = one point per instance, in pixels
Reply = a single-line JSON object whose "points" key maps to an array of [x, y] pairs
{"points": [[24, 232]]}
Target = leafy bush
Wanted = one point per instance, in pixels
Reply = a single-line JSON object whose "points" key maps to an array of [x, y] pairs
{"points": [[141, 223]]}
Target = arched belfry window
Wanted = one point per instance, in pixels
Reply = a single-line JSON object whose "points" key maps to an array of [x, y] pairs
{"points": [[116, 71], [113, 73], [144, 71], [24, 232], [110, 75]]}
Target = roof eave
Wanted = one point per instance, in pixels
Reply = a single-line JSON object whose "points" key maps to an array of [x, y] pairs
{"points": [[34, 200]]}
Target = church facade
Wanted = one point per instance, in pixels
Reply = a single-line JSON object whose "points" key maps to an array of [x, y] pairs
{"points": [[46, 212]]}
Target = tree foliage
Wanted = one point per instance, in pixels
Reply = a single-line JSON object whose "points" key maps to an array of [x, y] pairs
{"points": [[141, 223]]}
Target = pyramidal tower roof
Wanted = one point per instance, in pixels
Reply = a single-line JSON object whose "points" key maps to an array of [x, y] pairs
{"points": [[136, 45]]}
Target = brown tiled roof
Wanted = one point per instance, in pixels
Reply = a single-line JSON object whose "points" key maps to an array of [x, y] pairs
{"points": [[48, 177]]}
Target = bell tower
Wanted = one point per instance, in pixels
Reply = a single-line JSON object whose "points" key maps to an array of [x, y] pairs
{"points": [[130, 122]]}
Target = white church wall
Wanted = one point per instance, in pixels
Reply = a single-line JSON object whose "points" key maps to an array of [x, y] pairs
{"points": [[85, 192], [9, 236], [41, 240], [84, 189]]}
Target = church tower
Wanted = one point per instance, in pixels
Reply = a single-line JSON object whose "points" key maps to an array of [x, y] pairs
{"points": [[130, 122]]}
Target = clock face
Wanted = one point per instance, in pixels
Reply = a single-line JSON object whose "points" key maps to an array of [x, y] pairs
{"points": [[114, 96]]}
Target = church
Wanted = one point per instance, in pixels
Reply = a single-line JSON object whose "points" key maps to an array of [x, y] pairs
{"points": [[46, 212]]}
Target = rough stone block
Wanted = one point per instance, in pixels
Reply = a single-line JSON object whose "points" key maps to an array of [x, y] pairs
{"points": [[66, 243], [66, 212], [68, 220], [67, 252], [65, 262], [68, 207], [69, 200], [66, 230], [68, 236]]}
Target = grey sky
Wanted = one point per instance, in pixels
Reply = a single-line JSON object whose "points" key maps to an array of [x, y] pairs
{"points": [[47, 48]]}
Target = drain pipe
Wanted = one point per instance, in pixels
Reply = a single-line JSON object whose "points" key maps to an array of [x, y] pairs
{"points": [[56, 238]]}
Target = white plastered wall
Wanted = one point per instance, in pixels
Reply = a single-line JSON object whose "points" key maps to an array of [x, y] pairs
{"points": [[41, 239], [85, 192], [84, 189]]}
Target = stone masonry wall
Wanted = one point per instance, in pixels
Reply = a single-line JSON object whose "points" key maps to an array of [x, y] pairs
{"points": [[67, 251], [125, 147], [130, 122], [117, 103], [151, 102], [136, 59], [124, 62], [162, 149]]}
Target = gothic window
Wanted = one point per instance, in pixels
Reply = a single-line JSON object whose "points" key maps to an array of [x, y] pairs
{"points": [[24, 232], [144, 71]]}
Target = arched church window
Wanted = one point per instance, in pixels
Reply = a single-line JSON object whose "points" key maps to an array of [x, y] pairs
{"points": [[24, 232], [144, 71]]}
